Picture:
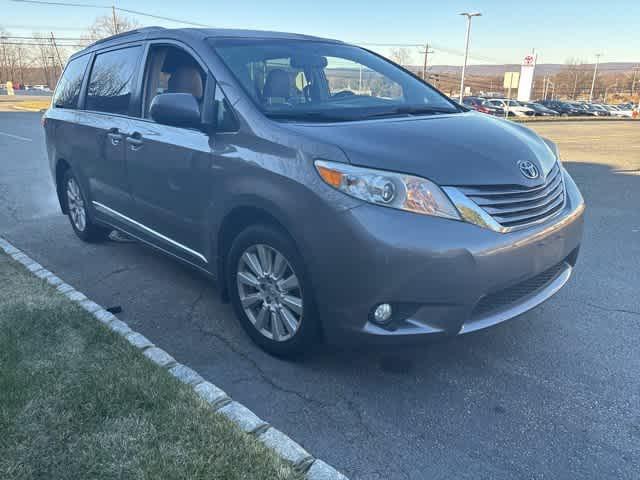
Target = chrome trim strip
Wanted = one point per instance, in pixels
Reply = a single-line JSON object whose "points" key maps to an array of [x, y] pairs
{"points": [[486, 191], [112, 212], [471, 211], [474, 213], [521, 198]]}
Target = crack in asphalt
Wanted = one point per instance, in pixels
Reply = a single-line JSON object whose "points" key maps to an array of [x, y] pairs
{"points": [[610, 309], [111, 274], [269, 380], [11, 210], [195, 303]]}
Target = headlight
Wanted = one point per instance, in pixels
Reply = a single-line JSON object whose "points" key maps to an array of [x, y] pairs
{"points": [[395, 190]]}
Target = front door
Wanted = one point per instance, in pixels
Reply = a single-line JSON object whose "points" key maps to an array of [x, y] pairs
{"points": [[170, 168]]}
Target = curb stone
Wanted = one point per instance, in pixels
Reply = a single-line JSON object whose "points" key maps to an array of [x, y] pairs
{"points": [[211, 394], [243, 417], [186, 375], [217, 399], [322, 471], [287, 448]]}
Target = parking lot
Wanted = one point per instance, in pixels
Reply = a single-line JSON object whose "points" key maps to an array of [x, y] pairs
{"points": [[552, 394]]}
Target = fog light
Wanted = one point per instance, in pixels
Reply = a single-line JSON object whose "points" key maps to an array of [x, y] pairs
{"points": [[382, 313]]}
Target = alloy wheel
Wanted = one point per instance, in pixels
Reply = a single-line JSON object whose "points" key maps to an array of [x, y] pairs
{"points": [[76, 205], [269, 292]]}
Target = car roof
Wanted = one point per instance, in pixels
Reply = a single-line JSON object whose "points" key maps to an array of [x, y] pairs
{"points": [[193, 34]]}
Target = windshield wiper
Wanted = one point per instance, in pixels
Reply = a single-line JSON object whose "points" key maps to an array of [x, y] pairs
{"points": [[412, 111], [310, 116]]}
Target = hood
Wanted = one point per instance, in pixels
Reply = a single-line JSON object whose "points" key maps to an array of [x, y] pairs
{"points": [[456, 150]]}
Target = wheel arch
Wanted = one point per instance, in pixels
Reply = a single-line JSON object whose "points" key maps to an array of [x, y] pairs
{"points": [[60, 169], [234, 221]]}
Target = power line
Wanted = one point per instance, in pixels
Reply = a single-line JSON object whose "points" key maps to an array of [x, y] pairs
{"points": [[125, 10], [43, 27], [44, 43], [16, 37], [450, 51]]}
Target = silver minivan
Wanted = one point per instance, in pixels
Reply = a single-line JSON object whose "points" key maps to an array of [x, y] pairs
{"points": [[330, 193]]}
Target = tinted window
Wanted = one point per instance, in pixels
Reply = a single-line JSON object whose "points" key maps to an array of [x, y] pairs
{"points": [[68, 89], [112, 80]]}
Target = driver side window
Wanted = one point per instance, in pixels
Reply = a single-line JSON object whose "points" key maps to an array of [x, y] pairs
{"points": [[172, 70]]}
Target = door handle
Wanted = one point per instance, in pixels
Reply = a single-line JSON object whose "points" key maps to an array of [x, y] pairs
{"points": [[115, 136], [135, 141]]}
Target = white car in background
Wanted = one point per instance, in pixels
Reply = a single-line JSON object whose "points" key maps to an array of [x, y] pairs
{"points": [[511, 105], [618, 112]]}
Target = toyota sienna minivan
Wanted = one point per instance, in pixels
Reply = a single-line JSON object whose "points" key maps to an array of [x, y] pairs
{"points": [[331, 193]]}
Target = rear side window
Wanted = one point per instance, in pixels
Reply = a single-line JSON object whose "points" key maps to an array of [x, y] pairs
{"points": [[112, 80], [68, 89]]}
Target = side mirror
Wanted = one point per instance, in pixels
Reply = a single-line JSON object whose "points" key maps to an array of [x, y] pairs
{"points": [[176, 109]]}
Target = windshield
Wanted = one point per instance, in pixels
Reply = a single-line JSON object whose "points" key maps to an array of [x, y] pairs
{"points": [[325, 81]]}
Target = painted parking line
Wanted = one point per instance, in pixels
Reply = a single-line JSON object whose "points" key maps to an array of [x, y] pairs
{"points": [[17, 137]]}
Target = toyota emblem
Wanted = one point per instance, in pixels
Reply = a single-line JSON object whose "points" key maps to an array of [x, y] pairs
{"points": [[528, 169]]}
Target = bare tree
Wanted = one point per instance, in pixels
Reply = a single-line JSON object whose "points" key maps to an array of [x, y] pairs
{"points": [[4, 60], [575, 77], [45, 59], [402, 56], [108, 25]]}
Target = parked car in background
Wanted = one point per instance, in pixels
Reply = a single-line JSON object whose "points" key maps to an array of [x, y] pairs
{"points": [[584, 109], [480, 104], [540, 110], [617, 112], [384, 215], [626, 106], [511, 106], [563, 108], [598, 110]]}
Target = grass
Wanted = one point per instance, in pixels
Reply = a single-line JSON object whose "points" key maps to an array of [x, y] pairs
{"points": [[35, 105], [78, 402]]}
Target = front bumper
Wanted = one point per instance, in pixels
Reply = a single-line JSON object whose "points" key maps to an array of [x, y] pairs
{"points": [[443, 277]]}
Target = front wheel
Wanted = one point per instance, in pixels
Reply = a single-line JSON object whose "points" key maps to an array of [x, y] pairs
{"points": [[271, 292], [81, 222]]}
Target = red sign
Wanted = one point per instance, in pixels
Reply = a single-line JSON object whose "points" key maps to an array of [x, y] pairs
{"points": [[528, 60]]}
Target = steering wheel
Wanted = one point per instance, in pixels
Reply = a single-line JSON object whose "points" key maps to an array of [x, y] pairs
{"points": [[343, 94]]}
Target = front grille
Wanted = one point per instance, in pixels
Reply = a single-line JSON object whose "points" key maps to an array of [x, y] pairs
{"points": [[511, 295], [513, 206]]}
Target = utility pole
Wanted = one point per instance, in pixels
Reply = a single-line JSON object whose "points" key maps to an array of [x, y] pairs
{"points": [[466, 48], [55, 47], [633, 82], [426, 53], [595, 73], [115, 20]]}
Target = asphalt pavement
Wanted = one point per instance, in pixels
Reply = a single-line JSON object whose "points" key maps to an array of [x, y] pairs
{"points": [[552, 394]]}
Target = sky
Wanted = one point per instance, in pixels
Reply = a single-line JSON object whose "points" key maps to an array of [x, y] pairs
{"points": [[507, 30]]}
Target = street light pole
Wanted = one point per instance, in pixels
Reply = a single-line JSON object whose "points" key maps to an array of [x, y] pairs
{"points": [[469, 15], [595, 73]]}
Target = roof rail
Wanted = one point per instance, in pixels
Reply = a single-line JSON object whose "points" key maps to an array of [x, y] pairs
{"points": [[124, 34]]}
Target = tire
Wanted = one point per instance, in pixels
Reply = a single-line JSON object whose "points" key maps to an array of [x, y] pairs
{"points": [[79, 215], [274, 294]]}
